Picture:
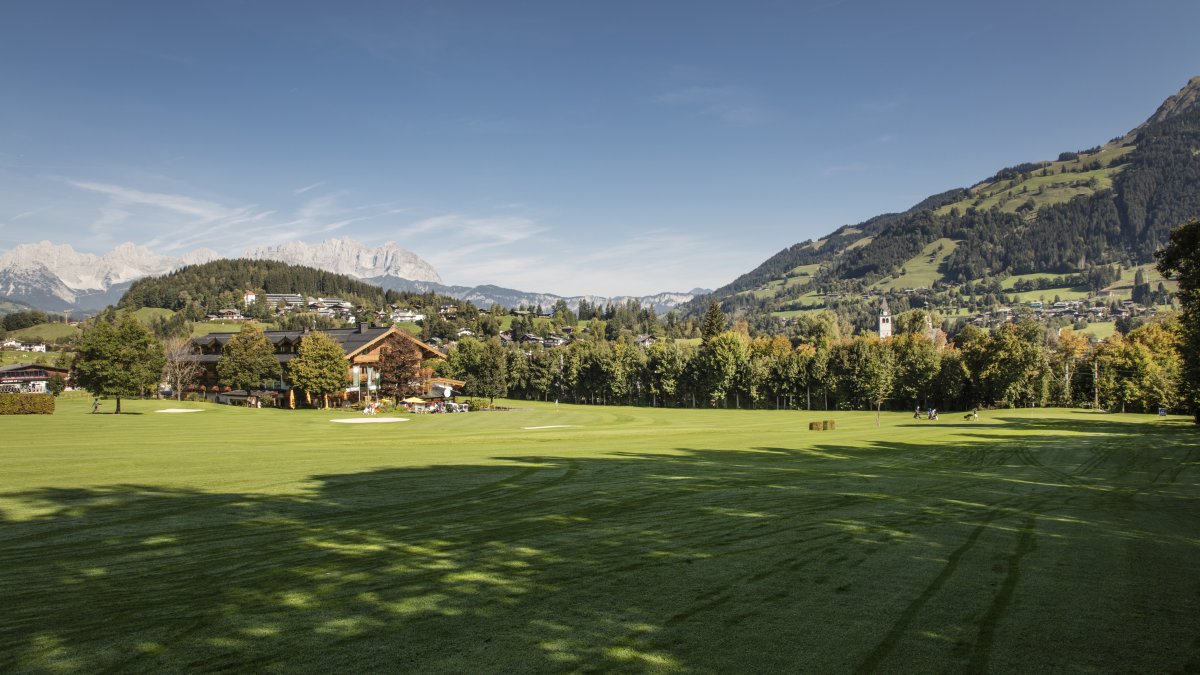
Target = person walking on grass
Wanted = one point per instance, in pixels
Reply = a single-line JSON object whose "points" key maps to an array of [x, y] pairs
{"points": [[95, 405]]}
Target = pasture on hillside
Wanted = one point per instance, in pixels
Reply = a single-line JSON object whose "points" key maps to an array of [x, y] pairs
{"points": [[568, 538]]}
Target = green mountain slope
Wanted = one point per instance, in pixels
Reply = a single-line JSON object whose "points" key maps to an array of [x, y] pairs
{"points": [[1084, 216]]}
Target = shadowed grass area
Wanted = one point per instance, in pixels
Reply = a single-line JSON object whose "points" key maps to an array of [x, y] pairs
{"points": [[619, 539]]}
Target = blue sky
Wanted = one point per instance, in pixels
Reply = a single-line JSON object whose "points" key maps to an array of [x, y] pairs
{"points": [[566, 147]]}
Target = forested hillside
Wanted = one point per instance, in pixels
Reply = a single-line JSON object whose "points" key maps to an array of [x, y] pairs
{"points": [[1079, 215], [221, 283]]}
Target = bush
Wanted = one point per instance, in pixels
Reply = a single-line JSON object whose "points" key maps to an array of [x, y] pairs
{"points": [[26, 404], [474, 404]]}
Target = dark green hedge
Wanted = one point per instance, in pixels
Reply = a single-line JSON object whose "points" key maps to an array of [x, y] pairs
{"points": [[26, 404]]}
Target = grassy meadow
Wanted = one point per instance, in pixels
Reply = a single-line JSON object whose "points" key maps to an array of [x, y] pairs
{"points": [[570, 538]]}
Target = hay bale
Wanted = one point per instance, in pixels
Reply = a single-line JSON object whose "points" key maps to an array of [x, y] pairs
{"points": [[814, 426]]}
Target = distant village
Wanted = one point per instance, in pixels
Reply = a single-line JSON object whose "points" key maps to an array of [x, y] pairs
{"points": [[337, 308]]}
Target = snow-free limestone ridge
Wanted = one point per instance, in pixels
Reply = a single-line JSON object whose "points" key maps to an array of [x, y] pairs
{"points": [[349, 257], [57, 277]]}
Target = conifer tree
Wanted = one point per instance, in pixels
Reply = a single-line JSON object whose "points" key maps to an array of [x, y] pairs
{"points": [[713, 323]]}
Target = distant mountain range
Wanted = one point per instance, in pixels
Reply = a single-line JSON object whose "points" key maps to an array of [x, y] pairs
{"points": [[57, 278], [487, 295], [346, 256]]}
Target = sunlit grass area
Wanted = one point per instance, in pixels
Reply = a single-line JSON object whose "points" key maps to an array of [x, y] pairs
{"points": [[921, 271], [551, 538]]}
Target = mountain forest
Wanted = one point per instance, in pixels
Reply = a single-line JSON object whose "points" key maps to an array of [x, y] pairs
{"points": [[1082, 217]]}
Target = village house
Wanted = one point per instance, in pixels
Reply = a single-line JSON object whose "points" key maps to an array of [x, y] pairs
{"points": [[362, 345], [19, 346], [290, 301], [28, 378], [442, 388], [406, 315]]}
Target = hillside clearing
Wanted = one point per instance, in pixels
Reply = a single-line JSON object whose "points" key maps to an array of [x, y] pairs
{"points": [[921, 270]]}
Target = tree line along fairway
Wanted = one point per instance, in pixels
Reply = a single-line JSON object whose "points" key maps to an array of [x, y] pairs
{"points": [[611, 538]]}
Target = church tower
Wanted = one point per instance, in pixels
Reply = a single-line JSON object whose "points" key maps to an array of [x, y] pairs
{"points": [[885, 321]]}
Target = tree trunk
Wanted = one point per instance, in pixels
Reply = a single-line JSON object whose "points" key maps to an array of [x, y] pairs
{"points": [[118, 405]]}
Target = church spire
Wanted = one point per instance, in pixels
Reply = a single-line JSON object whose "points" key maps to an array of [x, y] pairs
{"points": [[885, 320]]}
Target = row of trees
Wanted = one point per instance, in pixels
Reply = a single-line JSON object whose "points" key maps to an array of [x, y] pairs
{"points": [[1016, 364], [120, 358]]}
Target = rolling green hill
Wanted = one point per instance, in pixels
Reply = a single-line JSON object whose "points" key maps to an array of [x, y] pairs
{"points": [[44, 332]]}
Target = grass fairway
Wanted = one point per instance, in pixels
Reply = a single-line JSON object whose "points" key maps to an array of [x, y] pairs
{"points": [[579, 538]]}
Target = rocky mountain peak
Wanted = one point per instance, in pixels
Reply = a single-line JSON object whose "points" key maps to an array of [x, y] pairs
{"points": [[347, 256], [1185, 100], [55, 276]]}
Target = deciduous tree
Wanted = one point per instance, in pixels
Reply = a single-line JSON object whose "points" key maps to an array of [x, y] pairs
{"points": [[320, 366], [247, 360], [180, 364], [1181, 260], [118, 359], [400, 368]]}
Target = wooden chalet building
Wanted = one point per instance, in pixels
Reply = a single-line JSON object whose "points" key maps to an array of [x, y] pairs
{"points": [[362, 345], [28, 378]]}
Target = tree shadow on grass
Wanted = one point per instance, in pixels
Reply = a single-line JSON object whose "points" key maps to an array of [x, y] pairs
{"points": [[824, 558]]}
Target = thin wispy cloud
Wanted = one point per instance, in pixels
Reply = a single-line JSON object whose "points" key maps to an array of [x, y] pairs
{"points": [[506, 247], [199, 208], [109, 216], [469, 236], [26, 214], [737, 105], [620, 266], [308, 188], [175, 222]]}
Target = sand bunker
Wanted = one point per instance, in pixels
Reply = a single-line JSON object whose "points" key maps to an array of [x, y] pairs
{"points": [[552, 426], [180, 410], [370, 420]]}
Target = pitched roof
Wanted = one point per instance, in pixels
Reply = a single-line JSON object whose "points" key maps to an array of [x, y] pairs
{"points": [[353, 340], [17, 367], [884, 308]]}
